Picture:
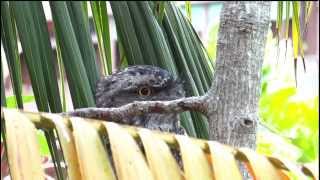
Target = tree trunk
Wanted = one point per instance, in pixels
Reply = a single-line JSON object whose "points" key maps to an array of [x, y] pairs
{"points": [[234, 95]]}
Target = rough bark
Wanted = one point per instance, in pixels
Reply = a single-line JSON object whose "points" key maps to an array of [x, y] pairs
{"points": [[234, 95], [143, 107]]}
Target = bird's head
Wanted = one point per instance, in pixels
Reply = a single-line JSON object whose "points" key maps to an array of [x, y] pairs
{"points": [[137, 83]]}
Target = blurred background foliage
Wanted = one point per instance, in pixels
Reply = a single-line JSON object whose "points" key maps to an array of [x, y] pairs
{"points": [[291, 112], [212, 42], [294, 120]]}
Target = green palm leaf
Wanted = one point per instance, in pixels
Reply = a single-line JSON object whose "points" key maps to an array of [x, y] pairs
{"points": [[9, 40], [101, 20], [76, 73], [80, 26]]}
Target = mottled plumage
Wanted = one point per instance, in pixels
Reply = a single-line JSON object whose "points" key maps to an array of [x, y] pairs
{"points": [[142, 83]]}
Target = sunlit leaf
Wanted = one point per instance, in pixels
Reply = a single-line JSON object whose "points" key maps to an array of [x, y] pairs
{"points": [[44, 150], [12, 103], [188, 9], [278, 109]]}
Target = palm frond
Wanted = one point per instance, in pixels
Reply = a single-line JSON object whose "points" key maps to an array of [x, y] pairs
{"points": [[9, 41], [80, 25], [75, 69], [28, 33], [97, 149], [188, 9], [101, 20], [301, 12]]}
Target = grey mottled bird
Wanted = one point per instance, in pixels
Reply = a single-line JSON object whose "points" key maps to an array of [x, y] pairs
{"points": [[142, 83]]}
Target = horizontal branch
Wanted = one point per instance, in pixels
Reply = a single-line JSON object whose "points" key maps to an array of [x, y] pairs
{"points": [[143, 107]]}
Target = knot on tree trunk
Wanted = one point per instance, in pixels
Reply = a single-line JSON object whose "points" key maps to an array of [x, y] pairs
{"points": [[245, 124]]}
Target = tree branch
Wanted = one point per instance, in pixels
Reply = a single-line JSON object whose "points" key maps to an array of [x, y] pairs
{"points": [[142, 107]]}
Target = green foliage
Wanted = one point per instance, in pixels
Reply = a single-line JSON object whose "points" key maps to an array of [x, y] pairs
{"points": [[12, 103], [264, 79], [212, 42], [28, 34], [46, 57], [101, 21], [297, 120], [75, 69], [188, 9], [10, 46], [44, 148], [80, 24], [292, 119], [159, 10]]}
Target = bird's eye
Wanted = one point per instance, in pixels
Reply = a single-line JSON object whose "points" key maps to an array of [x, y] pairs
{"points": [[145, 91]]}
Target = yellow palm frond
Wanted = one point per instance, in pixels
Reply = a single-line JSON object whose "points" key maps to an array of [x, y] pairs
{"points": [[131, 152]]}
